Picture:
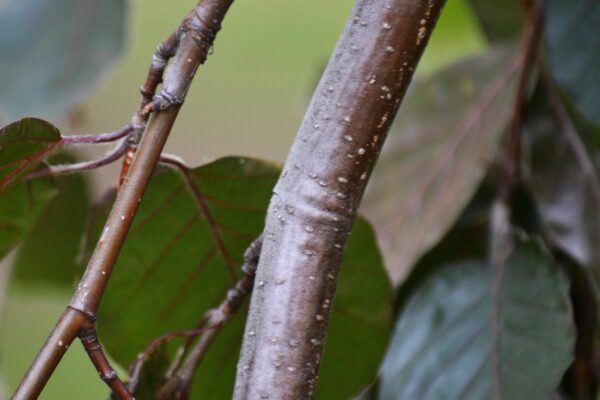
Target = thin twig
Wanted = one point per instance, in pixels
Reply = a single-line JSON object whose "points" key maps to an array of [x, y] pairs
{"points": [[126, 164], [183, 350], [64, 169], [136, 369], [582, 156], [179, 75], [500, 233], [89, 338], [127, 130], [99, 137], [529, 46], [179, 386], [164, 52], [180, 383], [195, 38], [133, 130]]}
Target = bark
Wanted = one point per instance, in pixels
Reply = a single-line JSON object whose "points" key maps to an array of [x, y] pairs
{"points": [[315, 200]]}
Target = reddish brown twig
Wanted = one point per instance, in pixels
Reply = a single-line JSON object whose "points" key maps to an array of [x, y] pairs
{"points": [[89, 338], [195, 38], [500, 230], [165, 51], [529, 46], [136, 369], [99, 137], [133, 131], [64, 169], [179, 384]]}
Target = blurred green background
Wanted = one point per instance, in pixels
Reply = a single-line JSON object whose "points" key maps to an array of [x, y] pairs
{"points": [[248, 99]]}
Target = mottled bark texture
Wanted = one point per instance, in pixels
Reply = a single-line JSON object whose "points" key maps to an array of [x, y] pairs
{"points": [[314, 203]]}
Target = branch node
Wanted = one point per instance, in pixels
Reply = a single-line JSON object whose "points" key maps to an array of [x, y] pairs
{"points": [[162, 101], [202, 34], [109, 376], [89, 338]]}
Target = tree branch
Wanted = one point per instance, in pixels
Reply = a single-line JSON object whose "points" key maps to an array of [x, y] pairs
{"points": [[99, 137], [89, 338], [64, 169], [214, 320], [529, 46], [315, 200], [195, 38]]}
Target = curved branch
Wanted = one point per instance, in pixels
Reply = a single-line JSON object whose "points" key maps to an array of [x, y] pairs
{"points": [[99, 137], [320, 190], [529, 46], [89, 338], [81, 166], [212, 323]]}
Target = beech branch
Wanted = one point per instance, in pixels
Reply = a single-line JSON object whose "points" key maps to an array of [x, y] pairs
{"points": [[194, 39], [315, 200], [179, 384]]}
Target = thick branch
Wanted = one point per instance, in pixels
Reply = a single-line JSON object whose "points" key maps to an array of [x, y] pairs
{"points": [[315, 201], [195, 38], [501, 242]]}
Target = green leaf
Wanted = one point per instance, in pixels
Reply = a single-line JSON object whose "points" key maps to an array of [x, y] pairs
{"points": [[471, 227], [20, 208], [571, 41], [174, 256], [48, 255], [473, 331], [172, 270], [564, 178], [22, 145], [20, 204], [500, 20], [54, 52], [447, 134]]}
